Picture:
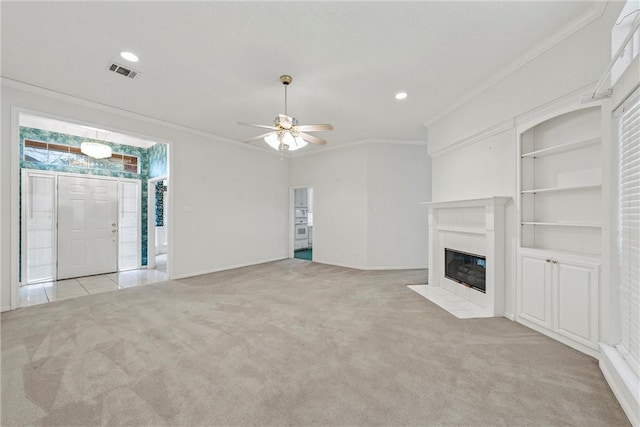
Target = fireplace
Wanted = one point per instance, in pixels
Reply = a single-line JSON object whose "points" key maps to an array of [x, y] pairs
{"points": [[465, 268], [474, 229]]}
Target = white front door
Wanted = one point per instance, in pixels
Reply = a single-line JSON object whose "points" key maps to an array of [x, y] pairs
{"points": [[87, 226]]}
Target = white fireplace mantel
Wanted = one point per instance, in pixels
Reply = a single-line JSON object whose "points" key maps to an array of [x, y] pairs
{"points": [[475, 226]]}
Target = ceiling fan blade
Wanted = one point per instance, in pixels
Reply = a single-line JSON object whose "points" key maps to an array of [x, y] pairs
{"points": [[258, 137], [312, 139], [314, 128], [258, 126]]}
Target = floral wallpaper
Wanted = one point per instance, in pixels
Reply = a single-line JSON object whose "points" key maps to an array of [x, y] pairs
{"points": [[157, 160], [101, 168]]}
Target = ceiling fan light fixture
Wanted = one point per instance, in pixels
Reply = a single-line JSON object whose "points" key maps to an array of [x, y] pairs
{"points": [[286, 122], [287, 134], [273, 140], [299, 143]]}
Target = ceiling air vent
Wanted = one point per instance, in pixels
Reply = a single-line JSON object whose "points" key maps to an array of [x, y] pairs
{"points": [[127, 72]]}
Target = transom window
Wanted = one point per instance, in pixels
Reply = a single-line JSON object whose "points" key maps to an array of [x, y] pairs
{"points": [[66, 155]]}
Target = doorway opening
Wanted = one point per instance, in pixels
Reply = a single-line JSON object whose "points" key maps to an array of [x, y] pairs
{"points": [[303, 223], [83, 220]]}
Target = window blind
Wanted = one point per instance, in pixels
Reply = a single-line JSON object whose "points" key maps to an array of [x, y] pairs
{"points": [[629, 238]]}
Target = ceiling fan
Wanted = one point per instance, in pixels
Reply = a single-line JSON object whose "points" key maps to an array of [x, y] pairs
{"points": [[286, 134]]}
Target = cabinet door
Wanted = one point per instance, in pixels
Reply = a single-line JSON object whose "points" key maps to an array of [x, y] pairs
{"points": [[300, 197], [576, 301], [534, 301]]}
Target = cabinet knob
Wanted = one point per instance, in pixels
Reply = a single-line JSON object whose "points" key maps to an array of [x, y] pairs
{"points": [[554, 261], [547, 260]]}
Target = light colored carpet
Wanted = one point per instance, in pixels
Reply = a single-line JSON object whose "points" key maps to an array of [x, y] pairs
{"points": [[288, 343]]}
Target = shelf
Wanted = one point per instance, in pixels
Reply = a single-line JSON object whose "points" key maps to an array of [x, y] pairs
{"points": [[563, 147], [545, 251], [563, 224], [462, 229], [556, 189]]}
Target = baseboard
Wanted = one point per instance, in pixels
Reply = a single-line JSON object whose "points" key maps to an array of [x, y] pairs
{"points": [[5, 308], [560, 338], [510, 316], [366, 268], [229, 267], [355, 267], [395, 267], [623, 381]]}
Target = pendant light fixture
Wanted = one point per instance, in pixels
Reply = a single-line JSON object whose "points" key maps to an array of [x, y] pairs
{"points": [[95, 149]]}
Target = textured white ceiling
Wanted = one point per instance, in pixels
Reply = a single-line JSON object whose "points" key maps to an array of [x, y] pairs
{"points": [[208, 65]]}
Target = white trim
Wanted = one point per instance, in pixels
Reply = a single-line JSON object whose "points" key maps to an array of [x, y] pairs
{"points": [[528, 119], [554, 108], [487, 201], [15, 84], [355, 267], [230, 267], [577, 24], [477, 137], [623, 382], [29, 112], [376, 268], [5, 308], [365, 141], [15, 208], [396, 267]]}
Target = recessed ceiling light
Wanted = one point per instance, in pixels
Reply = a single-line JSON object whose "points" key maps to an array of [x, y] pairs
{"points": [[129, 56], [401, 95]]}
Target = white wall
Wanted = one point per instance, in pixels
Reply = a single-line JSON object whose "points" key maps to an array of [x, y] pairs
{"points": [[397, 225], [484, 169], [570, 65], [473, 147], [339, 181], [366, 204], [229, 202]]}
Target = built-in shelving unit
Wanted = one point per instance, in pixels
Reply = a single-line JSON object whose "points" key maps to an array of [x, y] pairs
{"points": [[560, 210], [573, 188], [563, 147], [563, 224], [561, 183]]}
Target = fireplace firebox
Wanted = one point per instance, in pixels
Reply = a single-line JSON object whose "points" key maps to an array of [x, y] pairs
{"points": [[465, 268]]}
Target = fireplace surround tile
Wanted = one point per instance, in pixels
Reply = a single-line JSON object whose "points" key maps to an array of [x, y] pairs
{"points": [[452, 303]]}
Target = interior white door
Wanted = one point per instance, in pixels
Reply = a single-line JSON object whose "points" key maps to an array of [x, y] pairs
{"points": [[87, 226]]}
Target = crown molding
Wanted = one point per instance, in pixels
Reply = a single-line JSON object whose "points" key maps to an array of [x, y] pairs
{"points": [[60, 96], [367, 141], [594, 12], [563, 104], [476, 137]]}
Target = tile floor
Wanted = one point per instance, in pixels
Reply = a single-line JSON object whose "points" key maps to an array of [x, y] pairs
{"points": [[41, 293], [451, 302]]}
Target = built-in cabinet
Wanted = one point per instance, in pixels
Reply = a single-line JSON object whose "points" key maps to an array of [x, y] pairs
{"points": [[560, 294], [560, 210]]}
